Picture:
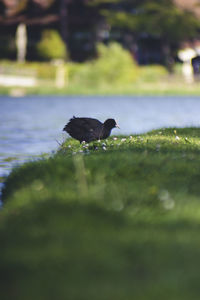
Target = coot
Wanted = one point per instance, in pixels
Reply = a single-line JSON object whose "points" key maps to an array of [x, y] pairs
{"points": [[89, 129]]}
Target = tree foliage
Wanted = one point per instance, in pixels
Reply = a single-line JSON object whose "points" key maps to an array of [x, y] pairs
{"points": [[158, 18], [51, 46], [114, 66]]}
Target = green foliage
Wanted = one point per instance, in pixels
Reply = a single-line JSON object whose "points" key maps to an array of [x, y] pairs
{"points": [[148, 80], [168, 21], [42, 70], [157, 18], [113, 66], [51, 46], [152, 73], [114, 219]]}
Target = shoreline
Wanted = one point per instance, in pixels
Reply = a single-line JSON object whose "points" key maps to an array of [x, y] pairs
{"points": [[136, 89]]}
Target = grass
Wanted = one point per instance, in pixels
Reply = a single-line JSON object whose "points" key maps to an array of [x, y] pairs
{"points": [[171, 86], [116, 219], [99, 78]]}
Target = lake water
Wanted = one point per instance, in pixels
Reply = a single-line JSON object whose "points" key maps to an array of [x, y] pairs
{"points": [[30, 126]]}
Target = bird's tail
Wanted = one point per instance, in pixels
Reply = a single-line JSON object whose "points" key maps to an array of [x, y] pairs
{"points": [[66, 128]]}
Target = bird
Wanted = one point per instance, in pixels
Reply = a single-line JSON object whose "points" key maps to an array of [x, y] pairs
{"points": [[89, 129]]}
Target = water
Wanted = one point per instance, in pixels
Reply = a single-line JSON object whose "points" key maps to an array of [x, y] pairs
{"points": [[30, 126]]}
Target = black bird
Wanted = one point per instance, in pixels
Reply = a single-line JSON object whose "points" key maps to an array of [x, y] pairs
{"points": [[89, 129]]}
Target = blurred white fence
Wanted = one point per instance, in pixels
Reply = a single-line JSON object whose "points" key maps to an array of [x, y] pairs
{"points": [[11, 76]]}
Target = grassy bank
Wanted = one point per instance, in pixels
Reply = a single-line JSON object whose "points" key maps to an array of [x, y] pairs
{"points": [[114, 72], [116, 219], [171, 85]]}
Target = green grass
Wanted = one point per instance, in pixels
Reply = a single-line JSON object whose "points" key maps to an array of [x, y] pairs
{"points": [[116, 219], [100, 78], [170, 86]]}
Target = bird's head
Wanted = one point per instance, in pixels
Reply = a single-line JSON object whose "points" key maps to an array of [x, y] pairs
{"points": [[110, 124]]}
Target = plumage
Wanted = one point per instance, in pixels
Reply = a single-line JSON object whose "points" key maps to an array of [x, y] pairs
{"points": [[89, 129]]}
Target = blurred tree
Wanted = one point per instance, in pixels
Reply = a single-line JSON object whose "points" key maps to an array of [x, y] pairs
{"points": [[158, 19], [155, 27], [51, 46]]}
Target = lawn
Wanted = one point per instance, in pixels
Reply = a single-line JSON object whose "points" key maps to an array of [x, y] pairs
{"points": [[100, 78], [170, 86], [117, 219]]}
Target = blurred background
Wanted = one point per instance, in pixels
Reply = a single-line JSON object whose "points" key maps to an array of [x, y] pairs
{"points": [[70, 43]]}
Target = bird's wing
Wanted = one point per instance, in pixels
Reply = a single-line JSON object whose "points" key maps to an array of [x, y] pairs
{"points": [[90, 129], [83, 129]]}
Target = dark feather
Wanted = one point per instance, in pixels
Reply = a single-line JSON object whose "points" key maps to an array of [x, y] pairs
{"points": [[89, 129]]}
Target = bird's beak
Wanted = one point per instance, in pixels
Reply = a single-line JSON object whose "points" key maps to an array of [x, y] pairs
{"points": [[117, 126]]}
